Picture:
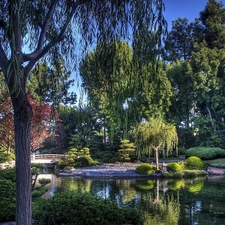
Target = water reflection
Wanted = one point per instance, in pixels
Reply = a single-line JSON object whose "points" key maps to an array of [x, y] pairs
{"points": [[172, 202]]}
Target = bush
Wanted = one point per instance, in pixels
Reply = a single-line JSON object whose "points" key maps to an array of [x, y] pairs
{"points": [[174, 167], [205, 153], [39, 192], [44, 181], [81, 208], [84, 161], [7, 200], [194, 163], [145, 168]]}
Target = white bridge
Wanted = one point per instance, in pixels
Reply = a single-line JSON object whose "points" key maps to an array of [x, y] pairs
{"points": [[46, 158]]}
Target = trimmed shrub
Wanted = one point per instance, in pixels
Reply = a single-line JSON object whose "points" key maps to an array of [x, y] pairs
{"points": [[173, 167], [194, 163], [145, 168], [205, 153], [81, 208], [125, 150], [84, 161]]}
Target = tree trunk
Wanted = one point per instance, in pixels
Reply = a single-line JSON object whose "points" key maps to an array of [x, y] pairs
{"points": [[157, 158], [22, 125]]}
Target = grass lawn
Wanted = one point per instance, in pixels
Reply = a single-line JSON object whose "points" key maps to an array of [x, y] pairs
{"points": [[216, 162]]}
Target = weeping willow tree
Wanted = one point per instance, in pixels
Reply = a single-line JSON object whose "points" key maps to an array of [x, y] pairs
{"points": [[153, 134], [55, 30]]}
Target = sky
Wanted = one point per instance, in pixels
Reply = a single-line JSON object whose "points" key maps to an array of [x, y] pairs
{"points": [[184, 8]]}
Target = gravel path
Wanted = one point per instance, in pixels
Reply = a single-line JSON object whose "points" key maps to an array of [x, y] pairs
{"points": [[106, 171]]}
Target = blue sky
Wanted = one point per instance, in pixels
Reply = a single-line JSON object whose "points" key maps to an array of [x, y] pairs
{"points": [[184, 8]]}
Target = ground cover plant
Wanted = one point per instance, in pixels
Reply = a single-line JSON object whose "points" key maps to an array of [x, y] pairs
{"points": [[81, 208], [220, 163], [205, 153]]}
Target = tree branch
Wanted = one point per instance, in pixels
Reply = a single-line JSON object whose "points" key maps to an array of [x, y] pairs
{"points": [[14, 12], [45, 25], [40, 50]]}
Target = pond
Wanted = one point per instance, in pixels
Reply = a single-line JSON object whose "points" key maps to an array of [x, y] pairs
{"points": [[198, 201]]}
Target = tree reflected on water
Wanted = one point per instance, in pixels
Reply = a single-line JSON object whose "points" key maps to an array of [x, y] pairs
{"points": [[171, 202]]}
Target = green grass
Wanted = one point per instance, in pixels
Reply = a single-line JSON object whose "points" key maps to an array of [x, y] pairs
{"points": [[216, 162]]}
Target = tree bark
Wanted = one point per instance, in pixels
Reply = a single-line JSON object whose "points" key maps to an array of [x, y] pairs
{"points": [[22, 126]]}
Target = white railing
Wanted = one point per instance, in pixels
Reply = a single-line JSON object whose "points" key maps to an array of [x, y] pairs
{"points": [[46, 157]]}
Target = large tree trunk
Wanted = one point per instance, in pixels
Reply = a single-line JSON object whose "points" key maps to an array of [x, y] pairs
{"points": [[22, 125]]}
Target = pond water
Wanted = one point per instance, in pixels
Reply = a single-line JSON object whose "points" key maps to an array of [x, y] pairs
{"points": [[198, 201]]}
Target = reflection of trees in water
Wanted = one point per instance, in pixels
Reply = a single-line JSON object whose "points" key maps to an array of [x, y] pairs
{"points": [[74, 184], [157, 206], [159, 200], [127, 191]]}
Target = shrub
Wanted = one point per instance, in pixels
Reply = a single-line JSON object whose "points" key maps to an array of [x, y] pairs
{"points": [[205, 153], [7, 200], [81, 208], [125, 150], [39, 192], [84, 161], [44, 181], [173, 167], [194, 163], [145, 168]]}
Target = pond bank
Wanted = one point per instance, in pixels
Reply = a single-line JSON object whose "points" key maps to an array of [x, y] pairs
{"points": [[126, 170]]}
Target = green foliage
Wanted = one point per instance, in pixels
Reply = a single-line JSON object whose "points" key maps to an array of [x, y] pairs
{"points": [[6, 156], [125, 150], [175, 185], [205, 153], [76, 158], [184, 174], [194, 163], [9, 174], [7, 200], [174, 167], [44, 181], [195, 187], [145, 168], [39, 192], [81, 208], [84, 161], [145, 184], [107, 156]]}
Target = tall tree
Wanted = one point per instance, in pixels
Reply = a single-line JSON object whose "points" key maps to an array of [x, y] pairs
{"points": [[51, 29], [213, 21], [179, 43], [122, 92]]}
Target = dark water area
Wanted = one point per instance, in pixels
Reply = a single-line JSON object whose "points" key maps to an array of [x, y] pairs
{"points": [[198, 201]]}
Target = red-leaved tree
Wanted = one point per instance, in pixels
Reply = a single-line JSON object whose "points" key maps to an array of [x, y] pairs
{"points": [[41, 123]]}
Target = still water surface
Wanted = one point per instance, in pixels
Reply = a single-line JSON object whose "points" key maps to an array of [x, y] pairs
{"points": [[199, 201]]}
